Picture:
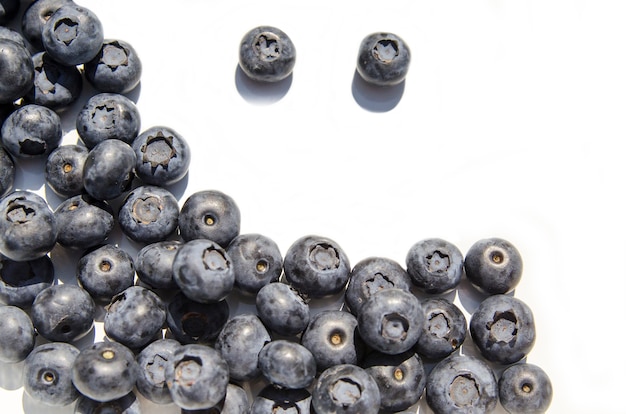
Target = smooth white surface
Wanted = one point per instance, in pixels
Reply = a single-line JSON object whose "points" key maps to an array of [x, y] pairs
{"points": [[510, 124]]}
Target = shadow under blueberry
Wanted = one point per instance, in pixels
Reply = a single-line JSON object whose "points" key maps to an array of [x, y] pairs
{"points": [[261, 93], [376, 98]]}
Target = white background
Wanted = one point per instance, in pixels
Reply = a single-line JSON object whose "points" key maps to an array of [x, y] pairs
{"points": [[510, 124]]}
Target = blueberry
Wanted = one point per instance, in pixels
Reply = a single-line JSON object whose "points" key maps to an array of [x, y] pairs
{"points": [[48, 374], [108, 116], [21, 282], [257, 261], [116, 68], [18, 335], [8, 10], [525, 388], [267, 54], [347, 389], [203, 271], [55, 86], [282, 309], [391, 321], [134, 317], [239, 343], [35, 17], [236, 400], [210, 215], [493, 265], [287, 364], [32, 131], [272, 399], [503, 329], [316, 266], [64, 170], [7, 172], [163, 156], [105, 371], [154, 262], [400, 378], [72, 35], [383, 59], [86, 222], [152, 361], [18, 73], [63, 313], [197, 377], [105, 271], [371, 275], [333, 339], [28, 228], [148, 214], [10, 34], [461, 383], [444, 331], [194, 322], [109, 169], [128, 404], [435, 265]]}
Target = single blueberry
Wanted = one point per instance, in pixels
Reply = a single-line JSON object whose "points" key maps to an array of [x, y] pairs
{"points": [[21, 282], [493, 265], [7, 172], [391, 321], [152, 361], [444, 331], [333, 339], [525, 388], [108, 116], [272, 399], [10, 34], [148, 214], [63, 313], [316, 266], [461, 383], [435, 265], [503, 329], [135, 317], [105, 371], [282, 309], [154, 262], [371, 275], [235, 402], [163, 156], [257, 261], [18, 72], [64, 170], [55, 85], [128, 404], [194, 322], [48, 374], [267, 54], [28, 228], [239, 342], [109, 169], [32, 131], [86, 222], [116, 68], [35, 17], [203, 271], [383, 59], [72, 35], [209, 215], [105, 271], [18, 334], [401, 378], [347, 389], [197, 377], [287, 364]]}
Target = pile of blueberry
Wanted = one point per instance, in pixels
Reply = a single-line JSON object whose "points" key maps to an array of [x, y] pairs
{"points": [[170, 335]]}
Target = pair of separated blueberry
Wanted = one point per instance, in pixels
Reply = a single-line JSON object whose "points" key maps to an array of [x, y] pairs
{"points": [[267, 54]]}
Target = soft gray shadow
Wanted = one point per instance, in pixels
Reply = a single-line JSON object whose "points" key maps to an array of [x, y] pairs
{"points": [[261, 93], [32, 406], [11, 375], [376, 98]]}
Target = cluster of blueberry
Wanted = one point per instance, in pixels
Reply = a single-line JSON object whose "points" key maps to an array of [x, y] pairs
{"points": [[366, 358]]}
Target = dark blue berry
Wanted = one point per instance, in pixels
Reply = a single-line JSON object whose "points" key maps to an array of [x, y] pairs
{"points": [[55, 85], [21, 282], [194, 322], [32, 131], [64, 170], [316, 266], [109, 169], [128, 404], [18, 334], [525, 388], [48, 374], [444, 330], [18, 74], [383, 59], [287, 364], [282, 309], [152, 361], [116, 68], [239, 343], [86, 222], [10, 34], [63, 313], [257, 261], [7, 172], [154, 262], [105, 271], [209, 215], [493, 265], [435, 265], [35, 17], [272, 399], [347, 389], [267, 54]]}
